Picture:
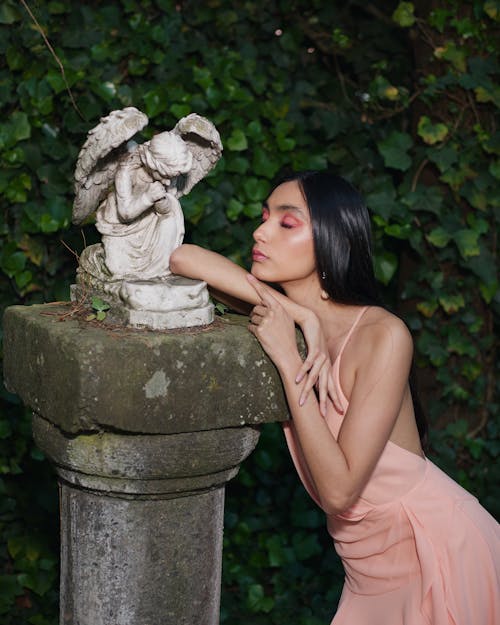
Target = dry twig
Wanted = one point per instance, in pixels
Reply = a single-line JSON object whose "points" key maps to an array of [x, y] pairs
{"points": [[56, 58]]}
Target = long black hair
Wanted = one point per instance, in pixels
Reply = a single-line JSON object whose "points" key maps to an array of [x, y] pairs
{"points": [[342, 238]]}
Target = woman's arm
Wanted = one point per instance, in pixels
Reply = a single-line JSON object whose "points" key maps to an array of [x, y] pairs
{"points": [[224, 276], [227, 278], [218, 272], [341, 468]]}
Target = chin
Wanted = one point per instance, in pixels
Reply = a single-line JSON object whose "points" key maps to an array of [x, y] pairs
{"points": [[266, 276], [259, 272]]}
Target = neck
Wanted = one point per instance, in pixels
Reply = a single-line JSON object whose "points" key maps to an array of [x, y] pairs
{"points": [[333, 316]]}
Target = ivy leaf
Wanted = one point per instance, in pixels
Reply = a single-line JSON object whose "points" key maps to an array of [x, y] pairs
{"points": [[467, 242], [452, 303], [275, 552], [431, 133], [438, 237], [484, 266], [237, 141], [382, 203], [427, 308], [305, 545], [424, 198], [460, 344], [494, 169], [404, 14], [456, 56], [394, 150], [16, 129], [398, 231], [106, 90], [99, 305], [443, 156], [155, 102], [263, 163], [180, 110], [341, 39], [257, 601], [484, 95], [23, 279], [234, 209], [238, 165], [203, 77], [9, 14], [12, 263], [475, 446], [431, 346], [285, 144], [385, 266], [458, 429], [488, 291], [492, 9], [254, 131], [252, 209], [256, 189]]}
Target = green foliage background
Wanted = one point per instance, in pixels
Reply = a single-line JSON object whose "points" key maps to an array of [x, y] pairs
{"points": [[401, 99]]}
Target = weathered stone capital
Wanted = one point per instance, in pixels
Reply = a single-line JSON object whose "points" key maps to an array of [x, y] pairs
{"points": [[87, 378], [146, 465]]}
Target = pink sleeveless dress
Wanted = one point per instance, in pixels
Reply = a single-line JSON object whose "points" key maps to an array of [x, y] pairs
{"points": [[417, 548]]}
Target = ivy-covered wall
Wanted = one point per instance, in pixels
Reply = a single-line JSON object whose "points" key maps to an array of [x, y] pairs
{"points": [[400, 98]]}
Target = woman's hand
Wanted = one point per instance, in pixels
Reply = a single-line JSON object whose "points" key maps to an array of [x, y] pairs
{"points": [[273, 327], [317, 366]]}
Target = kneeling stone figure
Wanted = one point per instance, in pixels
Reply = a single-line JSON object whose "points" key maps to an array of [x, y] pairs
{"points": [[134, 190]]}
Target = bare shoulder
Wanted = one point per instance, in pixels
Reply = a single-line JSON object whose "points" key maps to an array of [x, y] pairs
{"points": [[381, 333]]}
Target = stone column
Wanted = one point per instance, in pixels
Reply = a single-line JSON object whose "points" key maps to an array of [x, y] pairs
{"points": [[145, 429]]}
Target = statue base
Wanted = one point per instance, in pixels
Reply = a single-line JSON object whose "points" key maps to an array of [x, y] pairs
{"points": [[175, 302]]}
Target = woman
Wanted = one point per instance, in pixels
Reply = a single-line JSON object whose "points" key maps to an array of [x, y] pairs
{"points": [[416, 547]]}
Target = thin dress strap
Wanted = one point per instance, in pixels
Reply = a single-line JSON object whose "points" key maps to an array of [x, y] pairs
{"points": [[336, 364], [353, 327]]}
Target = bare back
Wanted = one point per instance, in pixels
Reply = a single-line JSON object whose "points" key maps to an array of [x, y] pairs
{"points": [[357, 348]]}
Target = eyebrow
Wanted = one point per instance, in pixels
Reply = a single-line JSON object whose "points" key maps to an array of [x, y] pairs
{"points": [[286, 207]]}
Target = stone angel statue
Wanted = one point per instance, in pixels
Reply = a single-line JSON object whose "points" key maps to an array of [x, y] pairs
{"points": [[134, 189]]}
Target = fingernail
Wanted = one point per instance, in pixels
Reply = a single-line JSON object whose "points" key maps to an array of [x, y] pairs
{"points": [[298, 379]]}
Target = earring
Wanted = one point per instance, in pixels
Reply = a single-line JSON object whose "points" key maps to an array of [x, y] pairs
{"points": [[324, 295]]}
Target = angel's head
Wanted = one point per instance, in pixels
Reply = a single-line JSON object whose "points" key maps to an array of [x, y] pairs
{"points": [[166, 155]]}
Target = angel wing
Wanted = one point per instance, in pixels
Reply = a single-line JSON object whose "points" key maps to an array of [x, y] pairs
{"points": [[204, 143], [99, 157]]}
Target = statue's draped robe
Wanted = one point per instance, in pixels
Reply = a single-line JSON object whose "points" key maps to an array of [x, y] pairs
{"points": [[137, 239]]}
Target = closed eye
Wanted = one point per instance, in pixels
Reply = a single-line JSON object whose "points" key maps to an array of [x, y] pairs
{"points": [[289, 221]]}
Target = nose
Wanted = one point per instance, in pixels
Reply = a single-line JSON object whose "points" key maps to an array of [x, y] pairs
{"points": [[259, 234]]}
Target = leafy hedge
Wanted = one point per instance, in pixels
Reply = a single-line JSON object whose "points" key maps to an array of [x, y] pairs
{"points": [[400, 99]]}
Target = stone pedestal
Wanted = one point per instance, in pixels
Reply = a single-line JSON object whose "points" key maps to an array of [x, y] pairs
{"points": [[175, 302], [145, 429]]}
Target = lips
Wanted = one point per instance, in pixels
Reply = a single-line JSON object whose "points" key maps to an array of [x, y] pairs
{"points": [[257, 255]]}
